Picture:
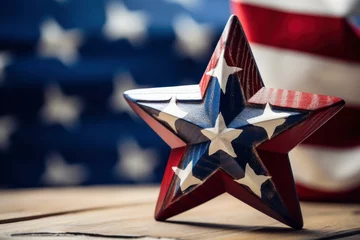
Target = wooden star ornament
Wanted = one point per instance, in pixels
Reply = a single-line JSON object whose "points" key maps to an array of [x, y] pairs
{"points": [[231, 134]]}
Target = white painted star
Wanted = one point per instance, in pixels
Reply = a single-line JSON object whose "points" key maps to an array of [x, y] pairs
{"points": [[5, 60], [59, 43], [252, 180], [221, 137], [171, 113], [59, 108], [192, 39], [188, 4], [59, 172], [135, 163], [8, 126], [222, 71], [186, 176], [122, 83], [122, 23], [269, 120]]}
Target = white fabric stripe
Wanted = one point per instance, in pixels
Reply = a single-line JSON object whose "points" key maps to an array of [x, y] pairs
{"points": [[299, 71], [337, 8], [325, 168]]}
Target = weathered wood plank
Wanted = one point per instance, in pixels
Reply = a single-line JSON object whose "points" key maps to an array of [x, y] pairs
{"points": [[23, 204], [131, 214]]}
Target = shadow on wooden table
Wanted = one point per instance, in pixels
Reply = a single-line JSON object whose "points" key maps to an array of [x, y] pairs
{"points": [[258, 229]]}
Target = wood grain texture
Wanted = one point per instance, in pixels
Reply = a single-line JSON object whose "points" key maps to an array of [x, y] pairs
{"points": [[237, 53], [31, 204], [123, 213]]}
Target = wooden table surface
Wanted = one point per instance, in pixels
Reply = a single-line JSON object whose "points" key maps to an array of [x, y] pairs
{"points": [[127, 213]]}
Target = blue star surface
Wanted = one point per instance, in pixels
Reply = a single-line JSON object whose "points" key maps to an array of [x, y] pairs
{"points": [[202, 114]]}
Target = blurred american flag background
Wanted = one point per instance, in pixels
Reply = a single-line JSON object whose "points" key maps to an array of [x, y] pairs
{"points": [[64, 65]]}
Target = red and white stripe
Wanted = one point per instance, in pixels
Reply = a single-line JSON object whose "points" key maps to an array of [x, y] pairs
{"points": [[309, 46]]}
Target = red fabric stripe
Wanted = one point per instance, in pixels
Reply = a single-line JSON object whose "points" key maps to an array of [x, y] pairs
{"points": [[309, 194], [321, 35], [342, 131]]}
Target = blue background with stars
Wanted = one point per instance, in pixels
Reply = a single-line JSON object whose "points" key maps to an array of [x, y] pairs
{"points": [[62, 117]]}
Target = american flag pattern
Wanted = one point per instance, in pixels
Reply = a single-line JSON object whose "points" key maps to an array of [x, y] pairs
{"points": [[313, 46], [231, 134], [64, 65]]}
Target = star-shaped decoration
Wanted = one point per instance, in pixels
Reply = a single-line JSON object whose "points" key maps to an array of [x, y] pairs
{"points": [[252, 180], [236, 135], [59, 43], [192, 38], [135, 163], [222, 71], [122, 82], [221, 137], [187, 179], [59, 172], [5, 60], [171, 113], [121, 23], [59, 108], [269, 120], [8, 126]]}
